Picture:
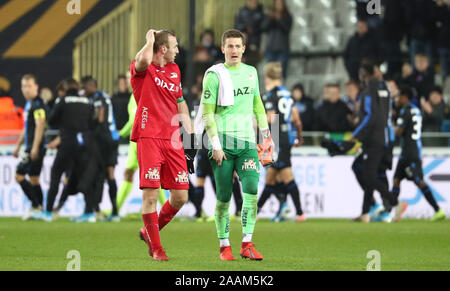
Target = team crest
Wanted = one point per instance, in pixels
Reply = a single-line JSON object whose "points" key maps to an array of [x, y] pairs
{"points": [[182, 178], [152, 174]]}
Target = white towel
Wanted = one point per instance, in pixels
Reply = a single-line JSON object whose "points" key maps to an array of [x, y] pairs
{"points": [[225, 98]]}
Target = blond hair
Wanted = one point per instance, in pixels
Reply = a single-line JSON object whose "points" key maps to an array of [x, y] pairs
{"points": [[274, 70]]}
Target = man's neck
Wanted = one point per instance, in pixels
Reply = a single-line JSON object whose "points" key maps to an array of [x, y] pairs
{"points": [[272, 85], [234, 66], [159, 60]]}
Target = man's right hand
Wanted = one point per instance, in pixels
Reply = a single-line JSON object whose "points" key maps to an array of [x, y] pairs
{"points": [[150, 36], [218, 156], [16, 152]]}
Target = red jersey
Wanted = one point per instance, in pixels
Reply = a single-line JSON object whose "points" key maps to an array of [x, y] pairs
{"points": [[157, 91]]}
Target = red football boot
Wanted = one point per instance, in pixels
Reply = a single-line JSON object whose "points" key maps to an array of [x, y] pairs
{"points": [[226, 254], [248, 252], [146, 238], [160, 255]]}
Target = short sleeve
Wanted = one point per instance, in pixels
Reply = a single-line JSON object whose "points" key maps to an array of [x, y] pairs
{"points": [[134, 73], [210, 88]]}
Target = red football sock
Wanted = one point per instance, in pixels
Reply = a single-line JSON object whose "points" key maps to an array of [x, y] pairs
{"points": [[166, 214], [151, 225]]}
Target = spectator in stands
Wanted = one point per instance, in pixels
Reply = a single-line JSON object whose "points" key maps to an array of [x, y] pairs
{"points": [[422, 78], [419, 20], [393, 30], [305, 106], [442, 24], [278, 26], [407, 71], [120, 101], [362, 45], [333, 115], [47, 96], [362, 12], [249, 20], [352, 100], [207, 41], [433, 111], [201, 61]]}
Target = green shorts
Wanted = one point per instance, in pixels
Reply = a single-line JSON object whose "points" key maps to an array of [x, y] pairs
{"points": [[132, 160], [245, 162]]}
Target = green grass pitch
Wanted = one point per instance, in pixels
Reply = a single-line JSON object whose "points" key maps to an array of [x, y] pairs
{"points": [[317, 244]]}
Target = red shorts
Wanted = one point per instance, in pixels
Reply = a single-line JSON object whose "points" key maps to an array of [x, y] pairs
{"points": [[162, 163]]}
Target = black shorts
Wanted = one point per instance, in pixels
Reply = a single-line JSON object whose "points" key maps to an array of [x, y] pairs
{"points": [[30, 167], [409, 169], [386, 161], [109, 154], [282, 158], [203, 165]]}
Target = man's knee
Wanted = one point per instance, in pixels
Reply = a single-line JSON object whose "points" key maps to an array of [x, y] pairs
{"points": [[34, 180], [250, 185], [19, 178], [128, 175], [150, 196], [178, 198]]}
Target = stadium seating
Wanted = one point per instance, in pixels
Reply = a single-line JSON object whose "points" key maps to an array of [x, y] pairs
{"points": [[320, 28]]}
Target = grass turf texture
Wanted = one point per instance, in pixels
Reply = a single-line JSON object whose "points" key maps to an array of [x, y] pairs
{"points": [[314, 245]]}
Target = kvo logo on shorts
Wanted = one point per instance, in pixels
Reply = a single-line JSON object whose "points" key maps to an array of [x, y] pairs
{"points": [[250, 165], [182, 178], [152, 174]]}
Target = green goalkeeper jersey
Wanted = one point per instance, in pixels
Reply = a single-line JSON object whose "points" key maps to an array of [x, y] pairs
{"points": [[234, 121], [128, 127]]}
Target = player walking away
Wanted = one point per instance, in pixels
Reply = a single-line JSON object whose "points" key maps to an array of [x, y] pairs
{"points": [[132, 161], [107, 138], [230, 98], [371, 132], [386, 103], [73, 116], [32, 136], [278, 101], [409, 166], [156, 83]]}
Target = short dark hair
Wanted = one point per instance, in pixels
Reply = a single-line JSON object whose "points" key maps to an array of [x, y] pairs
{"points": [[162, 39], [233, 33], [352, 82], [122, 76], [207, 31], [88, 79], [300, 87], [332, 85], [437, 89], [30, 77], [407, 91], [72, 84], [62, 86]]}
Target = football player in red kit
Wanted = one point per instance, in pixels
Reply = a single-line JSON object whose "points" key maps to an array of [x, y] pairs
{"points": [[163, 162]]}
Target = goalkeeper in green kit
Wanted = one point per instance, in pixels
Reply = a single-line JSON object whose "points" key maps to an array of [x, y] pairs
{"points": [[230, 100]]}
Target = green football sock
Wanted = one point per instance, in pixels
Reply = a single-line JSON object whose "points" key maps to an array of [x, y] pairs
{"points": [[248, 214], [222, 219], [124, 191], [162, 197]]}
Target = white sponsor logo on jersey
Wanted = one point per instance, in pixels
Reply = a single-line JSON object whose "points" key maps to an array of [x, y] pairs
{"points": [[171, 87], [144, 117]]}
